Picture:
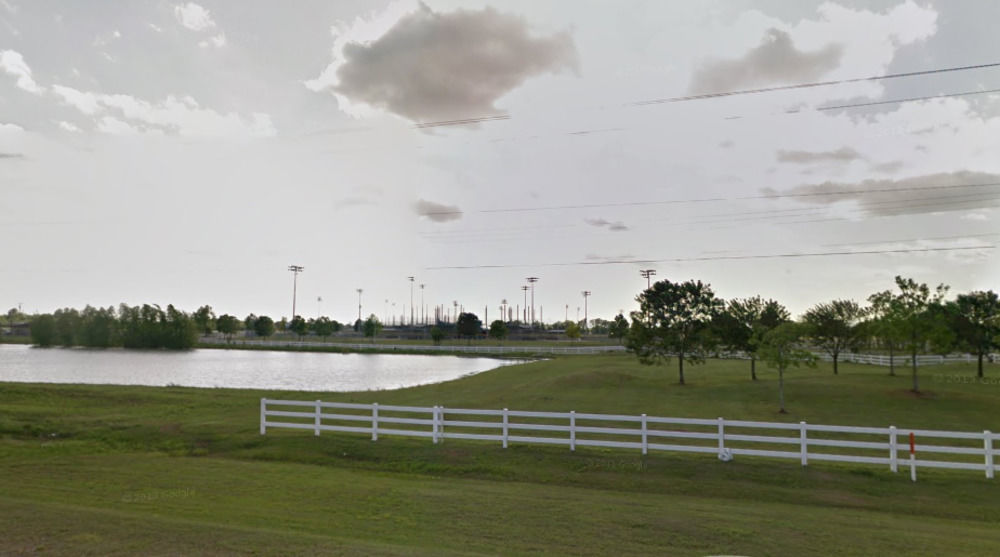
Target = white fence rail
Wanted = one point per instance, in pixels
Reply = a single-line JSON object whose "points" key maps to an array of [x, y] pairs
{"points": [[886, 446], [466, 349], [901, 360]]}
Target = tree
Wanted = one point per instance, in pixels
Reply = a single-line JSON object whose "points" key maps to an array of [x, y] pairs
{"points": [[572, 330], [372, 327], [781, 347], [324, 327], [299, 326], [43, 330], [673, 318], [978, 323], [834, 326], [745, 321], [178, 330], [437, 334], [913, 308], [67, 326], [618, 328], [600, 326], [468, 325], [205, 319], [248, 321], [227, 325], [98, 327], [884, 323], [498, 330], [263, 326]]}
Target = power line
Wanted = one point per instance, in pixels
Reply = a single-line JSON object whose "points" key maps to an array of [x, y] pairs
{"points": [[712, 258]]}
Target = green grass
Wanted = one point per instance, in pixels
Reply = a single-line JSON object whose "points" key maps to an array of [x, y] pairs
{"points": [[123, 470]]}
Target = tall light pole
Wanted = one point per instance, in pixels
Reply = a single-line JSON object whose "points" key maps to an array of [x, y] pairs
{"points": [[525, 288], [359, 303], [411, 299], [423, 309], [319, 311], [567, 313], [455, 313], [646, 273], [295, 269], [586, 294], [532, 281]]}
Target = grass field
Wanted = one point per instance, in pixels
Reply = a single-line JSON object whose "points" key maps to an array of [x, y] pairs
{"points": [[124, 470]]}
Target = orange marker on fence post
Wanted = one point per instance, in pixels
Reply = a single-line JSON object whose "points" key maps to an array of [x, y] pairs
{"points": [[913, 458]]}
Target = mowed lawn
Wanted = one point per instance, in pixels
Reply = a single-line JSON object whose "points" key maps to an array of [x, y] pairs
{"points": [[140, 470]]}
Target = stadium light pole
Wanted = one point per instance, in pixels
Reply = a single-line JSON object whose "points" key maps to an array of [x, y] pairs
{"points": [[411, 299], [423, 309], [646, 273], [525, 289], [532, 281], [359, 303], [586, 294], [295, 269]]}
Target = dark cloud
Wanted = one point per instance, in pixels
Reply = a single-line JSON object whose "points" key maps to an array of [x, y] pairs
{"points": [[844, 154], [929, 193], [775, 60], [446, 66], [616, 226], [437, 212]]}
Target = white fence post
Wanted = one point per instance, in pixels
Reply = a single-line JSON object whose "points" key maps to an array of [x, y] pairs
{"points": [[893, 448], [722, 437], [572, 430], [434, 425], [318, 412], [645, 445], [988, 449], [803, 444], [505, 428], [375, 421], [440, 422], [263, 416]]}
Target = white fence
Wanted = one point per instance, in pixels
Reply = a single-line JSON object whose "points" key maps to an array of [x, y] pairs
{"points": [[465, 349], [901, 360], [725, 438]]}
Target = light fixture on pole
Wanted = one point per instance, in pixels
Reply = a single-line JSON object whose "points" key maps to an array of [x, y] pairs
{"points": [[359, 303], [532, 281], [525, 288], [295, 269], [423, 309], [646, 273], [586, 294], [411, 299]]}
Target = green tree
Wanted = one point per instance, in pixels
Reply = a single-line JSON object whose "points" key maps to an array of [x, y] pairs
{"points": [[227, 325], [372, 327], [572, 330], [205, 319], [978, 323], [884, 324], [98, 327], [437, 334], [67, 326], [324, 327], [468, 326], [179, 331], [834, 326], [43, 330], [299, 326], [744, 322], [914, 308], [673, 319], [781, 348], [498, 330], [263, 326], [618, 328]]}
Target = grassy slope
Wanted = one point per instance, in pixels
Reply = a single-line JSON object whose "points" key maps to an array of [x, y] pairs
{"points": [[92, 469]]}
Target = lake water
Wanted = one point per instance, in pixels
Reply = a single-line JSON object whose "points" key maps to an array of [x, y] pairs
{"points": [[238, 369]]}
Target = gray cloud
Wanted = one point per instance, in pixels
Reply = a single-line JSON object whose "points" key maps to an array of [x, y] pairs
{"points": [[11, 156], [890, 167], [444, 66], [775, 60], [437, 212], [844, 154], [929, 193], [615, 226]]}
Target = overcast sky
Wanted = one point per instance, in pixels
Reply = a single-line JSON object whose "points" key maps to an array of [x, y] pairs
{"points": [[187, 153]]}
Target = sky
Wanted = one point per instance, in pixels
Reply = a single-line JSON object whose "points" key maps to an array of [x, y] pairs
{"points": [[189, 153]]}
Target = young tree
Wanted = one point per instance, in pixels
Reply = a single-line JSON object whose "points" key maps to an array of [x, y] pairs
{"points": [[572, 331], [299, 326], [883, 323], [437, 334], [263, 326], [324, 327], [978, 323], [834, 326], [673, 318], [745, 321], [618, 328], [227, 325], [372, 327], [913, 309], [205, 319], [498, 330], [781, 347], [468, 326]]}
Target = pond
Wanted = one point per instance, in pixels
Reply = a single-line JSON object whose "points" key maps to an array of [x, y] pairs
{"points": [[238, 369]]}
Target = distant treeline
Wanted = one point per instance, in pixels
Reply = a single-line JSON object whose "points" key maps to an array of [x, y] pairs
{"points": [[146, 326]]}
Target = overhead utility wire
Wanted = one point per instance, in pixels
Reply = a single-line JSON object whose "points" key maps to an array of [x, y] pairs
{"points": [[712, 258]]}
